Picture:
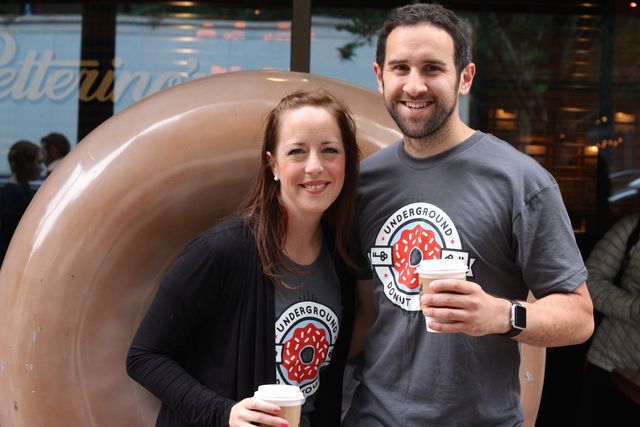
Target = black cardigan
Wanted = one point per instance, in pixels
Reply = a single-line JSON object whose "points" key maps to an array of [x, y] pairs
{"points": [[208, 339]]}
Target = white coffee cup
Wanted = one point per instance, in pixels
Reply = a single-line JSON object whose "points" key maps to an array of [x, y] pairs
{"points": [[288, 397], [432, 269]]}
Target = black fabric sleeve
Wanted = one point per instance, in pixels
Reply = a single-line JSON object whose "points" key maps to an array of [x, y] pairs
{"points": [[185, 297]]}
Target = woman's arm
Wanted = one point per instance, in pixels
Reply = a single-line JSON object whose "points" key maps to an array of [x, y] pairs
{"points": [[180, 304], [603, 264]]}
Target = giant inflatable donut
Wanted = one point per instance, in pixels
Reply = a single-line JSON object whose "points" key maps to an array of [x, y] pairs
{"points": [[88, 253]]}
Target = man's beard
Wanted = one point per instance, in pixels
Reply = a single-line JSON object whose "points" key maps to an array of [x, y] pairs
{"points": [[432, 125]]}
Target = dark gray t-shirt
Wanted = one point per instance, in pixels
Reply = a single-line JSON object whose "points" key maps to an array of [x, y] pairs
{"points": [[498, 210], [307, 325]]}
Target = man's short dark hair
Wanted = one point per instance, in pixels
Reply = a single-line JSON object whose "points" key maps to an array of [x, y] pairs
{"points": [[21, 156], [432, 14], [57, 140]]}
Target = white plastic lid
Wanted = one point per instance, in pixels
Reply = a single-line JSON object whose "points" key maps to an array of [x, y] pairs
{"points": [[280, 394], [441, 267]]}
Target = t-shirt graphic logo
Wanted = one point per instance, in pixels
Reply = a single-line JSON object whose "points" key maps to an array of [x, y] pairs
{"points": [[305, 336], [414, 232], [413, 245]]}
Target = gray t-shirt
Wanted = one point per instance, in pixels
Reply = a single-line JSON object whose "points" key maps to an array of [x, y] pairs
{"points": [[307, 325], [499, 211]]}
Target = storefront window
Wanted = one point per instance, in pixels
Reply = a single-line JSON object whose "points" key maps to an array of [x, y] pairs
{"points": [[158, 46], [539, 77], [563, 90], [560, 86], [619, 143], [343, 44], [39, 61]]}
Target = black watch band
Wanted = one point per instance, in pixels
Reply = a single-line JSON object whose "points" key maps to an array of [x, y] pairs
{"points": [[518, 319]]}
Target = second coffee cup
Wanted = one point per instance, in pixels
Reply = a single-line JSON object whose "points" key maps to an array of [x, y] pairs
{"points": [[433, 269]]}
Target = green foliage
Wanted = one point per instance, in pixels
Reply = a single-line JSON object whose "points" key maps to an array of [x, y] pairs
{"points": [[364, 27]]}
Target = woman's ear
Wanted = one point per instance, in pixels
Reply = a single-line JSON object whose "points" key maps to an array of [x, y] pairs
{"points": [[272, 165]]}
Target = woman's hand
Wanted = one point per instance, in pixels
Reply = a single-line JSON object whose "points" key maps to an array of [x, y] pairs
{"points": [[251, 412]]}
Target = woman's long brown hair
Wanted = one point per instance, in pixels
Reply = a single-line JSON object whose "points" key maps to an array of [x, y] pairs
{"points": [[263, 211]]}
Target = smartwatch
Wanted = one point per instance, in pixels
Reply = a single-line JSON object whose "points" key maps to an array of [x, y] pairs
{"points": [[518, 319]]}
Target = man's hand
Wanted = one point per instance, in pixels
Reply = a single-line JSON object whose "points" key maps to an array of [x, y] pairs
{"points": [[558, 319], [472, 311]]}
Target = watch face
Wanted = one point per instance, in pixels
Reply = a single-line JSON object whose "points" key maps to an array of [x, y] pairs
{"points": [[519, 317]]}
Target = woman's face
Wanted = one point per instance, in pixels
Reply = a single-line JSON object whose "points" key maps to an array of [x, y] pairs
{"points": [[35, 168], [309, 161]]}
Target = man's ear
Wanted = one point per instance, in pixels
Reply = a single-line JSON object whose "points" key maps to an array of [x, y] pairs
{"points": [[378, 72], [466, 79]]}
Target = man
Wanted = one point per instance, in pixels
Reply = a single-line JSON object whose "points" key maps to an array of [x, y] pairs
{"points": [[54, 147], [447, 191]]}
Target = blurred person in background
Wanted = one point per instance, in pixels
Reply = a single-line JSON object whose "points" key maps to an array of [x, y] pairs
{"points": [[614, 285], [15, 195], [54, 147]]}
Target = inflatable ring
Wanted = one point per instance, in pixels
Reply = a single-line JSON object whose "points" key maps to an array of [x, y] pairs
{"points": [[87, 256]]}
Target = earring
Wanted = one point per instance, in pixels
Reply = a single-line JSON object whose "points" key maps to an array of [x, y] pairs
{"points": [[275, 178]]}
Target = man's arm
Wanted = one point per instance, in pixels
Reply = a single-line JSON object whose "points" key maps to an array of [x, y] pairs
{"points": [[555, 320], [364, 318], [559, 319]]}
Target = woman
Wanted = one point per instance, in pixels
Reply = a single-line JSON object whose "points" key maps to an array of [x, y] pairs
{"points": [[614, 285], [276, 269]]}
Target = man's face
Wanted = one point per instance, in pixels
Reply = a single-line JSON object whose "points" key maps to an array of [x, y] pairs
{"points": [[419, 80], [48, 154]]}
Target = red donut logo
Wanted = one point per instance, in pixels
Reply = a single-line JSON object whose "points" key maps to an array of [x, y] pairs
{"points": [[306, 334], [304, 352], [413, 233], [413, 246]]}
